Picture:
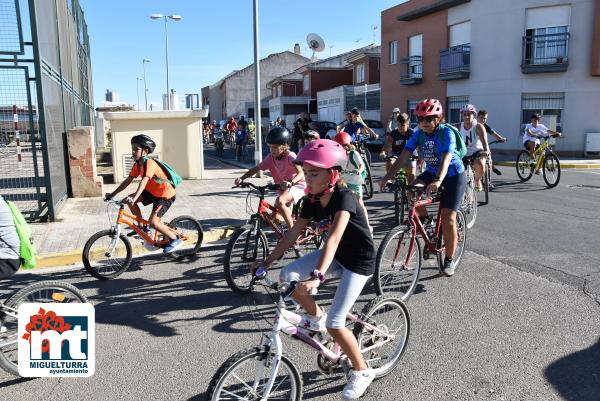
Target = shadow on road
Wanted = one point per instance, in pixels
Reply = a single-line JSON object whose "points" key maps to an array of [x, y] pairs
{"points": [[577, 376], [517, 186]]}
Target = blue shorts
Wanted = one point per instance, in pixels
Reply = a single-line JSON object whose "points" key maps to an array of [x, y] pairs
{"points": [[454, 189], [526, 144]]}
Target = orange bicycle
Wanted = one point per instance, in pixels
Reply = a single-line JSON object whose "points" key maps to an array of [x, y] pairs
{"points": [[108, 253], [249, 242]]}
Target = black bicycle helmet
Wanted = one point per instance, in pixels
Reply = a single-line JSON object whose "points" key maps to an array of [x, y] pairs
{"points": [[144, 141], [279, 136]]}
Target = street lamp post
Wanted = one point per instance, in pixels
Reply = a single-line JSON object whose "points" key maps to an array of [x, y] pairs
{"points": [[174, 17], [258, 141], [137, 90], [144, 61]]}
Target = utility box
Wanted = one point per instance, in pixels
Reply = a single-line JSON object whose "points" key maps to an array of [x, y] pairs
{"points": [[592, 144], [178, 137]]}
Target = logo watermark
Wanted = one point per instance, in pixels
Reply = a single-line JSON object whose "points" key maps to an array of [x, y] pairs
{"points": [[56, 340]]}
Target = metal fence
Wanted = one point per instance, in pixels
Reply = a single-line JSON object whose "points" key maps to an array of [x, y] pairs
{"points": [[44, 86], [363, 97]]}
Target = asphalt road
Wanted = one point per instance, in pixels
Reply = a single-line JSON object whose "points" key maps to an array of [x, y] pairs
{"points": [[519, 321]]}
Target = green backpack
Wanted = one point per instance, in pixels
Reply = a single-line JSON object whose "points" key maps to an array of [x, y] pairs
{"points": [[174, 178], [27, 249], [461, 146]]}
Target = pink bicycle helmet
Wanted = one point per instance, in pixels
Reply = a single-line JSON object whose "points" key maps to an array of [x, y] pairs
{"points": [[469, 108], [323, 153], [429, 107], [343, 138]]}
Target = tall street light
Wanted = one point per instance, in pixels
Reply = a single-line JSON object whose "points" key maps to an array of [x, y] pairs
{"points": [[257, 117], [174, 17], [137, 90], [144, 61]]}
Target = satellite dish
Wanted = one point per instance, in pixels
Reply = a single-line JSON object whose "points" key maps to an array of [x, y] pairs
{"points": [[315, 42]]}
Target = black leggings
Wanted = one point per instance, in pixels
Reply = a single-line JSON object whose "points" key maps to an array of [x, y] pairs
{"points": [[8, 267]]}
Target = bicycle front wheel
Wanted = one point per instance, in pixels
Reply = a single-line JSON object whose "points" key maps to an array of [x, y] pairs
{"points": [[189, 230], [368, 184], [44, 292], [397, 271], [244, 377], [106, 255], [243, 249], [390, 317], [524, 170], [487, 179], [469, 202], [551, 170], [461, 228]]}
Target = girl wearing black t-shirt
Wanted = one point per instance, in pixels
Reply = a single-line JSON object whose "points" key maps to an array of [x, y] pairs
{"points": [[348, 253]]}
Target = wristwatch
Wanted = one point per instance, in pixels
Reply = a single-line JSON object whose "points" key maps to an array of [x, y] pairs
{"points": [[317, 274]]}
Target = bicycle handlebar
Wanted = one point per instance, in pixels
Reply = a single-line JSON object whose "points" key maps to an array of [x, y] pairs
{"points": [[270, 186], [285, 289], [497, 141]]}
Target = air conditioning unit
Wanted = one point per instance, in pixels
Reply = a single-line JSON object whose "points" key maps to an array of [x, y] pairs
{"points": [[128, 162], [592, 144]]}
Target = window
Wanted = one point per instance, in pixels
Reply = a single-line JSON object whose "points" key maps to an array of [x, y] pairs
{"points": [[360, 73], [549, 105], [393, 52], [306, 83], [411, 106], [460, 34], [546, 34], [415, 53], [454, 104]]}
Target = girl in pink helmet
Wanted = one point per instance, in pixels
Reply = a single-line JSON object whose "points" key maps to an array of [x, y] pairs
{"points": [[348, 253]]}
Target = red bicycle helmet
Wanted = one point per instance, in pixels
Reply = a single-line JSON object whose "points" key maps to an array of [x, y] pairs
{"points": [[429, 107], [343, 138]]}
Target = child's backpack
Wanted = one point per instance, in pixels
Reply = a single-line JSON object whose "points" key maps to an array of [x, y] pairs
{"points": [[356, 160], [27, 248], [461, 146], [174, 178]]}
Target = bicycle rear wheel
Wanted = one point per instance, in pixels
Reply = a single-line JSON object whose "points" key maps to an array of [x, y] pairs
{"points": [[243, 249], [487, 180], [524, 170], [367, 155], [244, 376], [44, 292], [190, 231], [389, 315], [461, 227], [396, 271], [106, 255], [368, 184], [551, 170]]}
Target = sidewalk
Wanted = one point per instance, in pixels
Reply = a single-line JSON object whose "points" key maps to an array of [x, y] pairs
{"points": [[510, 160], [217, 206]]}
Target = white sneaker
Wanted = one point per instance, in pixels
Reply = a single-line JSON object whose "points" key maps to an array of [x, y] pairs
{"points": [[314, 323], [358, 381], [449, 267]]}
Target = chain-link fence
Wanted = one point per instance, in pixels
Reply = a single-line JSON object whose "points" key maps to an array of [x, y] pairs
{"points": [[45, 90]]}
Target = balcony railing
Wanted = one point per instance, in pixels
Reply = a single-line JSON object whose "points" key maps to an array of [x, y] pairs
{"points": [[545, 53], [455, 62], [412, 70]]}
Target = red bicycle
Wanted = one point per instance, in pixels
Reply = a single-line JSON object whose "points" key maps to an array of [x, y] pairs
{"points": [[399, 256], [250, 242]]}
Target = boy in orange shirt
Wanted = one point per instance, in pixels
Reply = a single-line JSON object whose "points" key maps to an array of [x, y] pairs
{"points": [[160, 193]]}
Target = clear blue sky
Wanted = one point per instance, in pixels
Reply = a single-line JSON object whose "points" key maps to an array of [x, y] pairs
{"points": [[214, 38]]}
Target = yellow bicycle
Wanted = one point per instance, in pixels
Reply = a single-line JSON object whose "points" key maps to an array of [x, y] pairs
{"points": [[544, 160]]}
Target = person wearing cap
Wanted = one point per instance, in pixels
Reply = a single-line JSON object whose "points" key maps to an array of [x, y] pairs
{"points": [[393, 122]]}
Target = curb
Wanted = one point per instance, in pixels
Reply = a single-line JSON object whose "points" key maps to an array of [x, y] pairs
{"points": [[74, 257], [562, 165]]}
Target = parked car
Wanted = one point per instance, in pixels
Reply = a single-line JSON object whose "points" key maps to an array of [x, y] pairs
{"points": [[322, 127], [378, 128]]}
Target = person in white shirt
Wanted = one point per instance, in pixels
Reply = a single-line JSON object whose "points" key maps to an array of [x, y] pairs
{"points": [[531, 136], [476, 140]]}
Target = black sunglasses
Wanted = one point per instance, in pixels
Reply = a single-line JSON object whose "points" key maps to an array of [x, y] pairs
{"points": [[429, 119]]}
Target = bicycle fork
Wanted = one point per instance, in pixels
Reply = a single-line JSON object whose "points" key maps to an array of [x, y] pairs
{"points": [[113, 243]]}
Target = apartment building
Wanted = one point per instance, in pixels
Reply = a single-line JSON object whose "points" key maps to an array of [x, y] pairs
{"points": [[510, 57]]}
